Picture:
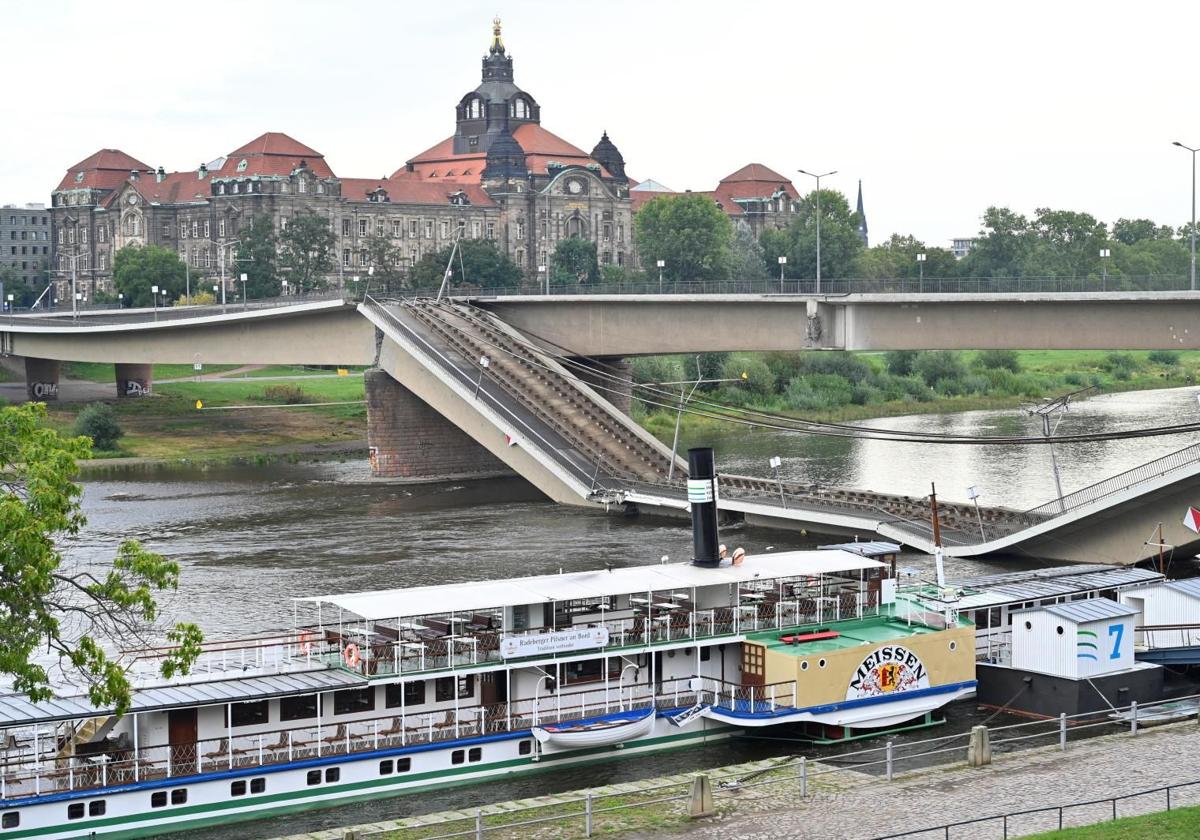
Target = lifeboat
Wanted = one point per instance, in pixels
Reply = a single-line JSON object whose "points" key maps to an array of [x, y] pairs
{"points": [[595, 733]]}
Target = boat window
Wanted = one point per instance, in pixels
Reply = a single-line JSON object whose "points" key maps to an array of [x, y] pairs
{"points": [[954, 646], [414, 694], [97, 807], [75, 811], [249, 714], [525, 747], [456, 757], [821, 663], [333, 774], [158, 799], [10, 819], [403, 765], [705, 654], [1028, 626], [237, 788], [1060, 630], [804, 665], [352, 700], [980, 617], [179, 796], [475, 754], [313, 778], [298, 708], [258, 785], [385, 767]]}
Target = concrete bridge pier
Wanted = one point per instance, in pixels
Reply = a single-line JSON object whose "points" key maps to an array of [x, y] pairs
{"points": [[41, 379], [610, 377], [408, 439], [134, 380]]}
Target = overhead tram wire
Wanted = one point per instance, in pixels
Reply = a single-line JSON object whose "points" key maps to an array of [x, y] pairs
{"points": [[779, 422]]}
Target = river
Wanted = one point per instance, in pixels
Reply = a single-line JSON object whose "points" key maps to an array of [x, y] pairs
{"points": [[251, 538]]}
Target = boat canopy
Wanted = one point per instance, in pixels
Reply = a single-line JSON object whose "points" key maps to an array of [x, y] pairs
{"points": [[515, 592]]}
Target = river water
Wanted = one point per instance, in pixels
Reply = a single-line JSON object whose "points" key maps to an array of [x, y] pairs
{"points": [[249, 539]]}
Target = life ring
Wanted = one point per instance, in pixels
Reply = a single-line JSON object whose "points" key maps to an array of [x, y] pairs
{"points": [[351, 655], [306, 643]]}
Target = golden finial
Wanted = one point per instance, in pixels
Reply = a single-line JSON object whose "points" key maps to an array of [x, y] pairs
{"points": [[497, 44]]}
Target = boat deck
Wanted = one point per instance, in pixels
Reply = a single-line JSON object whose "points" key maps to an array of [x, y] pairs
{"points": [[851, 632]]}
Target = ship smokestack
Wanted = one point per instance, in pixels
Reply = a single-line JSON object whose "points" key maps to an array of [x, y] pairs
{"points": [[702, 495]]}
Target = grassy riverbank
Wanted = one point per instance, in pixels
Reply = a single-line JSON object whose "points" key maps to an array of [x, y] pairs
{"points": [[1181, 824]]}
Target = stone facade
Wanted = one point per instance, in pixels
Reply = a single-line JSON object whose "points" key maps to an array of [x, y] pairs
{"points": [[25, 247], [501, 176]]}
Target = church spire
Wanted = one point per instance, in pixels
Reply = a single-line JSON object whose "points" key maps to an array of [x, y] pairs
{"points": [[862, 217], [497, 47]]}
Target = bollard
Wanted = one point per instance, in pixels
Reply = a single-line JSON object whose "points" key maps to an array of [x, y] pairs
{"points": [[889, 760], [979, 749], [1133, 718], [803, 778], [350, 834], [478, 824], [587, 815], [701, 802], [1062, 731]]}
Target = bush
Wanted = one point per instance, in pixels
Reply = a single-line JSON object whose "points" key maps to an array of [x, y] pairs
{"points": [[1122, 365], [1169, 358], [759, 378], [286, 394], [900, 362], [938, 365], [98, 422], [1000, 360]]}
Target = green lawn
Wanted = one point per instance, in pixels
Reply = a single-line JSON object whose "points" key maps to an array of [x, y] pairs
{"points": [[297, 370], [1181, 824], [100, 372]]}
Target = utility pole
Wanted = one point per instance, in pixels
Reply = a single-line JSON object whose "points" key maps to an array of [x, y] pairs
{"points": [[1044, 411], [818, 177], [1193, 230]]}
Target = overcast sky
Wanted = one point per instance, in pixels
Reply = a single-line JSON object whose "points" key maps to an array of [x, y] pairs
{"points": [[940, 108]]}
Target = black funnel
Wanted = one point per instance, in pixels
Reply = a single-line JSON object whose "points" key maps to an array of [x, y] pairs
{"points": [[702, 495]]}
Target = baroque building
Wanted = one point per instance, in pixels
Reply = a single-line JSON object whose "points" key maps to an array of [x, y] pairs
{"points": [[500, 176]]}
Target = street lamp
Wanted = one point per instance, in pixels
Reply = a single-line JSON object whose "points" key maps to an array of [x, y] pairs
{"points": [[544, 277], [661, 265], [1105, 253], [153, 300], [10, 308], [1193, 231], [244, 291], [818, 177], [120, 300], [782, 263], [921, 268], [285, 288]]}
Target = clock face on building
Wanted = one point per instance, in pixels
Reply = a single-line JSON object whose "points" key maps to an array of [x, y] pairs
{"points": [[132, 198], [574, 187]]}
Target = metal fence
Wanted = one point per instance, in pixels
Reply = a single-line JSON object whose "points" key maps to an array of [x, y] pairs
{"points": [[100, 314], [576, 815]]}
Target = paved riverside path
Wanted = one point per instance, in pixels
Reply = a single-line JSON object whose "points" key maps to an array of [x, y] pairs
{"points": [[1089, 769]]}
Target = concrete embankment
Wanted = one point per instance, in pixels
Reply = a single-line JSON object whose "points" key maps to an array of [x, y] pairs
{"points": [[854, 803]]}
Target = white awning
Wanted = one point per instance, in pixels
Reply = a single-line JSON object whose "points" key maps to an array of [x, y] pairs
{"points": [[487, 594]]}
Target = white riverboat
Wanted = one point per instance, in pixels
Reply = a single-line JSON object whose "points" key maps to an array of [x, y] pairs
{"points": [[379, 693]]}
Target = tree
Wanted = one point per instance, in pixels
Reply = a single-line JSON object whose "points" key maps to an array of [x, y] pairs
{"points": [[47, 606], [689, 233], [840, 244], [257, 256], [138, 268], [386, 258], [478, 263], [1131, 231], [897, 257], [1001, 246], [747, 261], [98, 422], [307, 251], [1067, 244], [574, 261]]}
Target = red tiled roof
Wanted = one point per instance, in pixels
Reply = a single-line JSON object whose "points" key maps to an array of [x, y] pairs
{"points": [[541, 147], [274, 153], [754, 181], [413, 190], [175, 188], [103, 170], [640, 197]]}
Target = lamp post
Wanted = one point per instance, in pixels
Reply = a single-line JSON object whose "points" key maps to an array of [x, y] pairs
{"points": [[153, 300], [285, 288], [921, 275], [120, 300], [544, 278], [661, 265], [818, 177], [1105, 253], [10, 309], [1193, 230], [244, 278], [782, 263], [775, 463]]}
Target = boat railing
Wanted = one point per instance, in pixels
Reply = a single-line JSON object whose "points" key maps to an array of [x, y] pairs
{"points": [[271, 653], [1157, 636], [747, 699], [994, 645], [25, 772]]}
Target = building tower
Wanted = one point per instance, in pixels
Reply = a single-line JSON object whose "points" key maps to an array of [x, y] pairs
{"points": [[497, 106], [862, 218], [609, 156]]}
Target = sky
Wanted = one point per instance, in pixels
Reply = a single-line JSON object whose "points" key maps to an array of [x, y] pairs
{"points": [[941, 109]]}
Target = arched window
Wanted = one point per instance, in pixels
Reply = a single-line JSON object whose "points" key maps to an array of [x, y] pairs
{"points": [[220, 189], [474, 110], [520, 109]]}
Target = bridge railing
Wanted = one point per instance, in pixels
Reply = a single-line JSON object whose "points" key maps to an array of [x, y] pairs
{"points": [[99, 314], [844, 286]]}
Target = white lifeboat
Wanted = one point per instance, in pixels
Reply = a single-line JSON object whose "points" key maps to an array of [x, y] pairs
{"points": [[600, 733]]}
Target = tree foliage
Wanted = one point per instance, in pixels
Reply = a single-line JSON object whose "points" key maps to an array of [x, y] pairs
{"points": [[747, 261], [307, 251], [58, 616], [99, 422], [690, 233], [386, 258], [478, 262], [840, 244], [257, 258], [574, 261], [138, 268], [897, 257]]}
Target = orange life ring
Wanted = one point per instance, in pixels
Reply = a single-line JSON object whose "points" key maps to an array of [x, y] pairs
{"points": [[306, 642], [351, 655]]}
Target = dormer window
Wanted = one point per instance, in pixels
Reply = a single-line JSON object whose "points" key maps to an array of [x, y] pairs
{"points": [[241, 167], [301, 185], [79, 178], [233, 188], [519, 109], [474, 109], [220, 189], [320, 188]]}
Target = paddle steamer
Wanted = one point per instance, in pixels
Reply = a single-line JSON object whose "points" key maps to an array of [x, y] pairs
{"points": [[379, 693]]}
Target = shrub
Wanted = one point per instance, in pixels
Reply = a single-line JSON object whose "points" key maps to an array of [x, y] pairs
{"points": [[1121, 365], [98, 422], [1169, 358], [286, 394], [900, 362], [759, 378], [1000, 359], [838, 363], [940, 364]]}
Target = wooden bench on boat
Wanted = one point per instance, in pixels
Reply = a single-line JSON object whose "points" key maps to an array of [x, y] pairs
{"points": [[816, 636]]}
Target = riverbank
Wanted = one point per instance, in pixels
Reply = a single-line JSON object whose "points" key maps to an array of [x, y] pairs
{"points": [[840, 801]]}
